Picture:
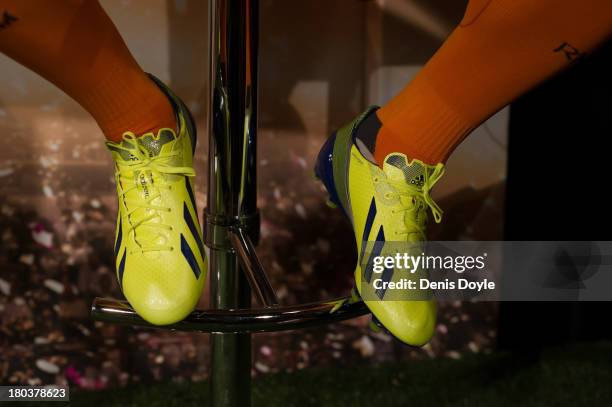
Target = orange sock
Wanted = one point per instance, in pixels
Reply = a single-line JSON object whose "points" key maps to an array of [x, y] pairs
{"points": [[75, 45], [500, 50]]}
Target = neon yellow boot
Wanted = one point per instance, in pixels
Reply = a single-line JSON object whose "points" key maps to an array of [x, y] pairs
{"points": [[384, 205], [160, 258]]}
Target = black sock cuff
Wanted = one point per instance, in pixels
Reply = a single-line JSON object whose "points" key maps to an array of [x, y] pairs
{"points": [[368, 130]]}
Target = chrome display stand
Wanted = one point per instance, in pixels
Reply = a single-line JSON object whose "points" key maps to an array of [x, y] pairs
{"points": [[231, 221]]}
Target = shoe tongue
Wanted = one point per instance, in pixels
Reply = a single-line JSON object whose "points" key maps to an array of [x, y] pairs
{"points": [[397, 168], [154, 145], [151, 144]]}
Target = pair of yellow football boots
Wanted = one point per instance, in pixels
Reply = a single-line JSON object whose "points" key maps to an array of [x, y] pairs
{"points": [[160, 259]]}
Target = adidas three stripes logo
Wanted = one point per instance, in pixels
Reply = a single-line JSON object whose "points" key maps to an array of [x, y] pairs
{"points": [[376, 250]]}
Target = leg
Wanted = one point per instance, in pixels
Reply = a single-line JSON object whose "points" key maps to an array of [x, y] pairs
{"points": [[75, 45], [500, 50]]}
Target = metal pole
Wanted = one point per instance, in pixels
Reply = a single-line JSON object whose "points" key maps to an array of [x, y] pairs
{"points": [[231, 186]]}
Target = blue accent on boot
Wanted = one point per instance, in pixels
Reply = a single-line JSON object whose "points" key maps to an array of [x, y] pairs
{"points": [[324, 169]]}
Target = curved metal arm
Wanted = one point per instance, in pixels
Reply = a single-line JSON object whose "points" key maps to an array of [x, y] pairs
{"points": [[254, 271], [280, 318]]}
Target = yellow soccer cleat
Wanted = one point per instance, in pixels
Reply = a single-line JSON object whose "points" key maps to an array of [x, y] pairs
{"points": [[160, 258], [385, 206]]}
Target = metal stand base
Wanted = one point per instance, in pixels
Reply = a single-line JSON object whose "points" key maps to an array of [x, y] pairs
{"points": [[240, 320], [232, 220]]}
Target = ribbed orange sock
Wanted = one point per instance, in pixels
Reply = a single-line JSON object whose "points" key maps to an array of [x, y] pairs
{"points": [[500, 50], [75, 45]]}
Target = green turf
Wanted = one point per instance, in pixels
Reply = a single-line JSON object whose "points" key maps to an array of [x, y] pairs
{"points": [[580, 375]]}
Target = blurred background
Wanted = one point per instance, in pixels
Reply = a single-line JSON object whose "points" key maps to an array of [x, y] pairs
{"points": [[321, 63]]}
